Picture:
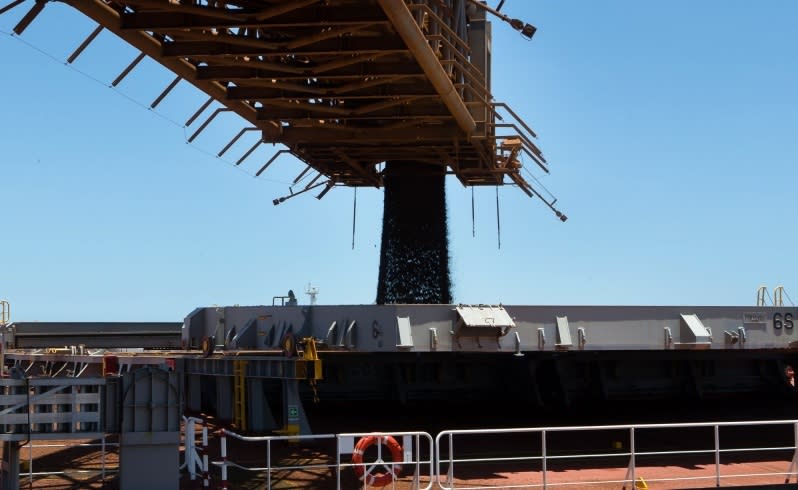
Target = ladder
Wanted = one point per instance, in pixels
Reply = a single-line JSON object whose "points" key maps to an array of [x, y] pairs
{"points": [[240, 394]]}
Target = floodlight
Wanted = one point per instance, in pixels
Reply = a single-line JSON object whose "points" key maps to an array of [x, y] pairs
{"points": [[528, 31]]}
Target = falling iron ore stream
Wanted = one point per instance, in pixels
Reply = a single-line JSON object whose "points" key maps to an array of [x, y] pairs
{"points": [[414, 258]]}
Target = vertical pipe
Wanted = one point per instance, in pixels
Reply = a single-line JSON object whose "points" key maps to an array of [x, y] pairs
{"points": [[543, 455], [717, 455], [30, 462], [380, 441], [473, 216], [224, 460], [795, 453], [451, 460], [205, 477], [632, 450], [102, 455], [417, 448], [498, 220], [354, 217], [269, 463], [337, 462]]}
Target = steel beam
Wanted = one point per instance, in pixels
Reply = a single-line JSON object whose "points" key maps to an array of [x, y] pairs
{"points": [[109, 17], [165, 92], [84, 44], [29, 17], [354, 46], [264, 93], [406, 26], [442, 133], [10, 6], [128, 69]]}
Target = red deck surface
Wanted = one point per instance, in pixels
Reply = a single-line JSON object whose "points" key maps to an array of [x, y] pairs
{"points": [[653, 477]]}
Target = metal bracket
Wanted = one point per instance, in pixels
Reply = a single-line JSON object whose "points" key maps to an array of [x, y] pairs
{"points": [[581, 337], [743, 335], [731, 337], [518, 352], [347, 338], [331, 334]]}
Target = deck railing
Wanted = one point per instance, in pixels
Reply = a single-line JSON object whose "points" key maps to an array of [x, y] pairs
{"points": [[678, 442], [416, 454]]}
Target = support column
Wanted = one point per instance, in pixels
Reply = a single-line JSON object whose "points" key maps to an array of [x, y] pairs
{"points": [[224, 397], [193, 393], [10, 469], [414, 256], [149, 441], [259, 414], [293, 412]]}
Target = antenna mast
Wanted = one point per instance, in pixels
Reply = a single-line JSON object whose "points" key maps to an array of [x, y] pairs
{"points": [[312, 291]]}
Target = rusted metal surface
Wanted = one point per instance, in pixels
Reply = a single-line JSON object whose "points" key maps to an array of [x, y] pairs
{"points": [[346, 85]]}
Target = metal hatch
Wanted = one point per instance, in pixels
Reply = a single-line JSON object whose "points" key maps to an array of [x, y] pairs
{"points": [[482, 321]]}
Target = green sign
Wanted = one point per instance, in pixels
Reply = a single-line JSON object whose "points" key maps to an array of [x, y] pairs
{"points": [[293, 412]]}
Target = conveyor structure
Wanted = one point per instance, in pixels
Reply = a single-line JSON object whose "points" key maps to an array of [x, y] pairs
{"points": [[345, 85]]}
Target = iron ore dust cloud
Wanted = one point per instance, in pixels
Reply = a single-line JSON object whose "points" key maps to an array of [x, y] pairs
{"points": [[414, 256]]}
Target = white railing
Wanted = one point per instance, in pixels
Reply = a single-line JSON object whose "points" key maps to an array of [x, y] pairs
{"points": [[103, 470], [537, 473], [413, 454], [536, 457], [51, 408], [195, 455]]}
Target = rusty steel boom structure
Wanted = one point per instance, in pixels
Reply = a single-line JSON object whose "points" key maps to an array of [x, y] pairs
{"points": [[345, 85], [378, 93]]}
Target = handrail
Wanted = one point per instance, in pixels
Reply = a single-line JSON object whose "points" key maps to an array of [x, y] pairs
{"points": [[446, 480], [442, 460], [196, 457], [335, 465], [103, 470]]}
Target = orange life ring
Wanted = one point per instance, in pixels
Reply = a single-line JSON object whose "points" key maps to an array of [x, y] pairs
{"points": [[393, 467]]}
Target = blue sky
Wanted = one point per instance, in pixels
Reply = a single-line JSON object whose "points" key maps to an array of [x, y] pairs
{"points": [[670, 128]]}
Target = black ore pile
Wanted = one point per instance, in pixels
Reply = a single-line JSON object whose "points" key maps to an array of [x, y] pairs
{"points": [[414, 258]]}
